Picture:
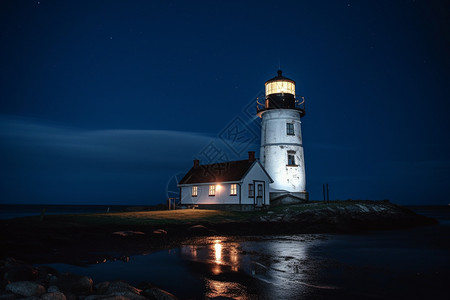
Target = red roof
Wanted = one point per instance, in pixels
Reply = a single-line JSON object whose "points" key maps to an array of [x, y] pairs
{"points": [[218, 172]]}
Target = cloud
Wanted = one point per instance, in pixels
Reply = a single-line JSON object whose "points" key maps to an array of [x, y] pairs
{"points": [[134, 148], [46, 161]]}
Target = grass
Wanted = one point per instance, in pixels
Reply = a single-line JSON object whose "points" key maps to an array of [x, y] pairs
{"points": [[185, 216]]}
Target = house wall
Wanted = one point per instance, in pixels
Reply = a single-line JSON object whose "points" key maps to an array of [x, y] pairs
{"points": [[222, 195], [256, 173]]}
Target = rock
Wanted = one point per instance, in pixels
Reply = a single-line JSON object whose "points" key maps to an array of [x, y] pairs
{"points": [[120, 287], [9, 261], [70, 296], [123, 289], [143, 285], [7, 296], [158, 294], [199, 230], [129, 295], [197, 227], [160, 231], [52, 289], [53, 296], [103, 297], [128, 233], [72, 283], [47, 270], [20, 273], [3, 284], [44, 275], [102, 287], [25, 288]]}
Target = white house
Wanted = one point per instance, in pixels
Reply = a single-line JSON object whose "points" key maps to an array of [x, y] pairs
{"points": [[235, 185]]}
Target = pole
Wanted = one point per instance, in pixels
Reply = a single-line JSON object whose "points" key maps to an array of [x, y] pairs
{"points": [[323, 188], [328, 194]]}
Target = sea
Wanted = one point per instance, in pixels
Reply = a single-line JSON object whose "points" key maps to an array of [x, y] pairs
{"points": [[411, 263], [11, 211]]}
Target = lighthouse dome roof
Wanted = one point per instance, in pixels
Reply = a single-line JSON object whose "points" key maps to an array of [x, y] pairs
{"points": [[280, 77]]}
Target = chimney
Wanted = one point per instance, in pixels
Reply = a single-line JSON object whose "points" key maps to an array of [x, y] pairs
{"points": [[251, 156], [196, 163]]}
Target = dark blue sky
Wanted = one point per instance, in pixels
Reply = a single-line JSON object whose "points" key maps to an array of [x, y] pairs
{"points": [[106, 101]]}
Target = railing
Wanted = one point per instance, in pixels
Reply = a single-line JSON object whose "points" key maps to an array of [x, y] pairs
{"points": [[260, 106], [299, 104]]}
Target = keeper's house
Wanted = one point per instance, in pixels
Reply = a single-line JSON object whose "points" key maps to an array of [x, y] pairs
{"points": [[234, 185]]}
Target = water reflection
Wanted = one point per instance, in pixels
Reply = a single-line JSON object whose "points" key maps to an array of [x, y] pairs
{"points": [[218, 251], [268, 267], [231, 290]]}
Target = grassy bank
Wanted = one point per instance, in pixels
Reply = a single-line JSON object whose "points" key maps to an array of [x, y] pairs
{"points": [[161, 218], [185, 216], [81, 236]]}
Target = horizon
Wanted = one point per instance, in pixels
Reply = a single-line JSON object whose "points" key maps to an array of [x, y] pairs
{"points": [[157, 204]]}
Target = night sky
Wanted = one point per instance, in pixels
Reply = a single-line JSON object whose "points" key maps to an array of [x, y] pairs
{"points": [[108, 102]]}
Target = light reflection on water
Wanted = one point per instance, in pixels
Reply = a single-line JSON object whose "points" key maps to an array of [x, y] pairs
{"points": [[406, 264], [267, 268]]}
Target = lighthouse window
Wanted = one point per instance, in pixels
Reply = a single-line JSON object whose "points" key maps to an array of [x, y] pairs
{"points": [[291, 158], [212, 190], [194, 191], [280, 86], [233, 191], [290, 129]]}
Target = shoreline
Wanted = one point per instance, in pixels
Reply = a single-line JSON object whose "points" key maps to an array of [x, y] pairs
{"points": [[31, 245], [89, 238]]}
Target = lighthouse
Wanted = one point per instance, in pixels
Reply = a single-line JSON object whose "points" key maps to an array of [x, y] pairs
{"points": [[281, 151]]}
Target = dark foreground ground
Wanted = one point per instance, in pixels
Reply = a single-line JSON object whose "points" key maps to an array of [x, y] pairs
{"points": [[86, 239]]}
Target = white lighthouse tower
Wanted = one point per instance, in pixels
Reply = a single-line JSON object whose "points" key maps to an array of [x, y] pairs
{"points": [[281, 140]]}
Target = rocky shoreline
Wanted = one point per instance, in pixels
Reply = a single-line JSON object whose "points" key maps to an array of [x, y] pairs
{"points": [[83, 241], [23, 281]]}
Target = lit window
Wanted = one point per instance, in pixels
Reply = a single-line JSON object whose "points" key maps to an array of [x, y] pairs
{"points": [[290, 129], [212, 190], [233, 190], [194, 191], [251, 190], [291, 158]]}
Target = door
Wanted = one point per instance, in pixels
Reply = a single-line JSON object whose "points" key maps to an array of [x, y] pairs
{"points": [[260, 195]]}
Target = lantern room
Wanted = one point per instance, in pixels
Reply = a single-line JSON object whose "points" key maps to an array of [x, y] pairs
{"points": [[280, 85], [280, 94]]}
